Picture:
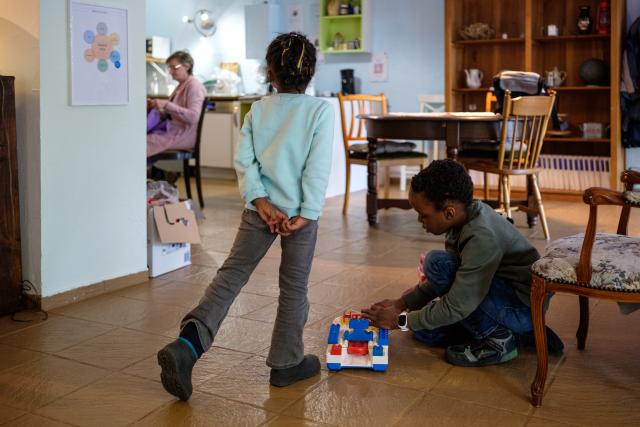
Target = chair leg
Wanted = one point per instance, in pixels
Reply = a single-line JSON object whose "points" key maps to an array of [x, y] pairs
{"points": [[506, 188], [538, 196], [199, 184], [486, 186], [583, 328], [538, 292], [403, 178], [186, 169], [347, 190], [387, 181]]}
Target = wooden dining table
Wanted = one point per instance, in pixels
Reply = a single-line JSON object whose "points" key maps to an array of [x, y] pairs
{"points": [[452, 127]]}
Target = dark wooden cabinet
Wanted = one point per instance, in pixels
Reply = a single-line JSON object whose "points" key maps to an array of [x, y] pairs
{"points": [[10, 256]]}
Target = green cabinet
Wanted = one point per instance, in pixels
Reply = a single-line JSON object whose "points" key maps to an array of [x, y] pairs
{"points": [[348, 33]]}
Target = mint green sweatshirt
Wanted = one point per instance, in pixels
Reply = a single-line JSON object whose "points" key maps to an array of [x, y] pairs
{"points": [[285, 153]]}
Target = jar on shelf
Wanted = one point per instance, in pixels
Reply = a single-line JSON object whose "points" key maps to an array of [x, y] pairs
{"points": [[585, 21]]}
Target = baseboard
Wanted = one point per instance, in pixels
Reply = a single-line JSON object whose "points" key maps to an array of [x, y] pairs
{"points": [[89, 291]]}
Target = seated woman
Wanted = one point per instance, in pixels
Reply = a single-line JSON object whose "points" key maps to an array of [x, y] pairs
{"points": [[180, 113]]}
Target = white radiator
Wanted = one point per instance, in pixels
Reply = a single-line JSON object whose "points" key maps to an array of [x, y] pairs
{"points": [[573, 173]]}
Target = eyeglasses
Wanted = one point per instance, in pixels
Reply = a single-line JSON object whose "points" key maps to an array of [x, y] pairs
{"points": [[175, 67]]}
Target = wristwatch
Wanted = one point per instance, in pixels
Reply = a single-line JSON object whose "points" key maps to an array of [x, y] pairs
{"points": [[403, 321]]}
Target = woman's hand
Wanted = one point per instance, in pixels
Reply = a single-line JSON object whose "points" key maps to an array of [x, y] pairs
{"points": [[271, 215], [159, 104], [296, 223]]}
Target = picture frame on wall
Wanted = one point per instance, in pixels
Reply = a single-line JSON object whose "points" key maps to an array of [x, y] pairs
{"points": [[99, 52]]}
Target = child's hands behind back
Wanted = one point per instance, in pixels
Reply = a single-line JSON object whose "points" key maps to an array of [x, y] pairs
{"points": [[289, 227], [271, 215]]}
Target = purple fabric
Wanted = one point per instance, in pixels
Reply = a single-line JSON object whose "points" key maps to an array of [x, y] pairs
{"points": [[155, 122]]}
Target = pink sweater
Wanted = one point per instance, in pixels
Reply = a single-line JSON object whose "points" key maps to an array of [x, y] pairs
{"points": [[184, 107]]}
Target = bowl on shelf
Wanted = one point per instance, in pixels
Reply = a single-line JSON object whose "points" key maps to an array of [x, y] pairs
{"points": [[477, 31]]}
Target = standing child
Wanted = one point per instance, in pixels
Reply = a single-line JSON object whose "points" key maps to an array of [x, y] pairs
{"points": [[283, 163]]}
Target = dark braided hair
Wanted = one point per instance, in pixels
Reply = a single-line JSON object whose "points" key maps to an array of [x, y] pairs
{"points": [[291, 57], [444, 180]]}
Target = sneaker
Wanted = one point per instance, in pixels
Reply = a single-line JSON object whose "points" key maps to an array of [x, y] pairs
{"points": [[499, 347], [554, 343], [176, 360], [309, 367]]}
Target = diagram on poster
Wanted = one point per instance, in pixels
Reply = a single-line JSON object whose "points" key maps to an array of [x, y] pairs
{"points": [[99, 69]]}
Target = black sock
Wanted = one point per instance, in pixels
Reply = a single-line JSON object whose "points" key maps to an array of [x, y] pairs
{"points": [[190, 333]]}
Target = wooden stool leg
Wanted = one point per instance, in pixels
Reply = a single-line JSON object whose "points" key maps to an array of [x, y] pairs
{"points": [[486, 186], [540, 207], [403, 178], [387, 181], [583, 328], [506, 188], [538, 292], [186, 169], [199, 184], [347, 190]]}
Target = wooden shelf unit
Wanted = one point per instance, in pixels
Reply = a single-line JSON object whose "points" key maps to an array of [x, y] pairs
{"points": [[528, 49]]}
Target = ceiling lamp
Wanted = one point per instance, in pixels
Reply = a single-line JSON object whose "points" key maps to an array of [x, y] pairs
{"points": [[203, 22]]}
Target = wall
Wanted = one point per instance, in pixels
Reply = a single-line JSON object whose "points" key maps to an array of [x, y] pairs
{"points": [[92, 165], [411, 32], [19, 57]]}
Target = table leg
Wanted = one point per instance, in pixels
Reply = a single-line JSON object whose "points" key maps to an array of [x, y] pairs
{"points": [[532, 218], [453, 139], [372, 180]]}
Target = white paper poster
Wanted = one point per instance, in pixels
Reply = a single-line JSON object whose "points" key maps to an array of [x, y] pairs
{"points": [[99, 55], [379, 71]]}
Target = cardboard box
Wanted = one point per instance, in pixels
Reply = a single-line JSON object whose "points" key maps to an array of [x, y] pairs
{"points": [[171, 229]]}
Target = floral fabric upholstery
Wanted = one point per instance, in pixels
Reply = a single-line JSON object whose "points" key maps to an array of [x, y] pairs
{"points": [[632, 197], [615, 262]]}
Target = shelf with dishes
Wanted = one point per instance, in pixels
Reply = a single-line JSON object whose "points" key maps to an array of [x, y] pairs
{"points": [[344, 28], [511, 40], [572, 38]]}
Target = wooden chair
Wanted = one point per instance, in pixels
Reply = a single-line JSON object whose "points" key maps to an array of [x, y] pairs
{"points": [[186, 156], [524, 125], [591, 265], [353, 130]]}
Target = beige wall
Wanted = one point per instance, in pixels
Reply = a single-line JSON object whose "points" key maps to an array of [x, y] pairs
{"points": [[19, 57]]}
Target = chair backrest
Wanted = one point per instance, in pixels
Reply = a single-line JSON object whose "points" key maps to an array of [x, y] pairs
{"points": [[196, 149], [431, 103], [524, 126], [353, 105]]}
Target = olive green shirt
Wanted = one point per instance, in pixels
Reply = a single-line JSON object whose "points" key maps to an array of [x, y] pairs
{"points": [[487, 245]]}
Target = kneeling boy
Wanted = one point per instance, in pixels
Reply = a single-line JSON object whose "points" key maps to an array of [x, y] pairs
{"points": [[478, 287]]}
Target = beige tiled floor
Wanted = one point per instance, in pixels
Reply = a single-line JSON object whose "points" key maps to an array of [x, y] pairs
{"points": [[93, 363]]}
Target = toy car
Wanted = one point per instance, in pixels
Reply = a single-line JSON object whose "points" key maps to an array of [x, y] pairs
{"points": [[353, 343]]}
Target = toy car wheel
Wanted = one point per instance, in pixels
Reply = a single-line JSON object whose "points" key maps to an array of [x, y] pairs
{"points": [[334, 366]]}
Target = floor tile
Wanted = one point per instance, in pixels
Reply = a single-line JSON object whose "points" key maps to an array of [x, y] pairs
{"points": [[8, 414], [589, 403], [494, 386], [11, 357], [249, 383], [28, 319], [108, 309], [244, 335], [56, 334], [246, 303], [285, 421], [116, 349], [206, 410], [116, 400], [262, 284], [348, 401], [269, 312], [443, 411], [31, 420], [214, 362], [160, 320], [35, 384], [542, 422]]}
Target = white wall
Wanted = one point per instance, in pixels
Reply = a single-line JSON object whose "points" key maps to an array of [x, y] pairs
{"points": [[92, 165], [19, 57]]}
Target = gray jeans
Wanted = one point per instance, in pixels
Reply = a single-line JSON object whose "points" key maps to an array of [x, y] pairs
{"points": [[251, 244]]}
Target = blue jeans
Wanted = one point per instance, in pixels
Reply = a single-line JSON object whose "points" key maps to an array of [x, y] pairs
{"points": [[501, 306]]}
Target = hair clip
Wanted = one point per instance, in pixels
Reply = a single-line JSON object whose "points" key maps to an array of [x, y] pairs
{"points": [[301, 57]]}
